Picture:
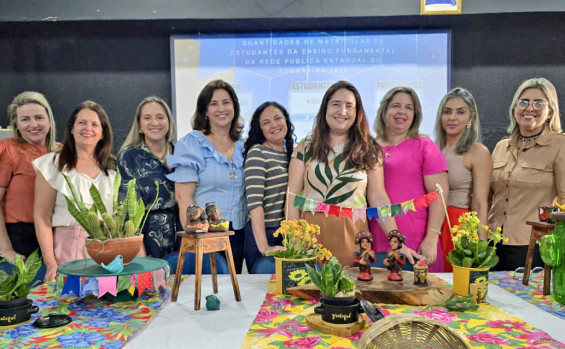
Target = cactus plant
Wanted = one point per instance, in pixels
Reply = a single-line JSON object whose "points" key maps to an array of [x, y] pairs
{"points": [[126, 220]]}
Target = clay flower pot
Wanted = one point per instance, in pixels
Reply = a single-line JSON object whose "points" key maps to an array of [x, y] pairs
{"points": [[105, 251]]}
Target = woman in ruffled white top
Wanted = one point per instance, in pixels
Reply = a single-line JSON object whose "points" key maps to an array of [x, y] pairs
{"points": [[86, 159]]}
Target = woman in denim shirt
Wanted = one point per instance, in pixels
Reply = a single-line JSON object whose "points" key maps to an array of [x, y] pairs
{"points": [[208, 162]]}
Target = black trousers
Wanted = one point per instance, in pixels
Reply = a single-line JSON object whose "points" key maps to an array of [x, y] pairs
{"points": [[512, 257]]}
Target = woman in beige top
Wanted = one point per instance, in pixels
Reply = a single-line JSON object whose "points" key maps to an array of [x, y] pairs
{"points": [[528, 169], [458, 134]]}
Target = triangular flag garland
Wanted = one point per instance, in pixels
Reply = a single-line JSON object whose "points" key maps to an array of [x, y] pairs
{"points": [[100, 285], [413, 205]]}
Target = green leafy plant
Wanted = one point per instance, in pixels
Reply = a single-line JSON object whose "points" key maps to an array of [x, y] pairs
{"points": [[99, 223], [18, 284], [455, 303], [468, 250], [331, 279]]}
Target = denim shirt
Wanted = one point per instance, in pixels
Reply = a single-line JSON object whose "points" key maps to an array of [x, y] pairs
{"points": [[196, 160]]}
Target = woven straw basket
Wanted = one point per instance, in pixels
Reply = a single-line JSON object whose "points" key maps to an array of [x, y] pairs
{"points": [[410, 331]]}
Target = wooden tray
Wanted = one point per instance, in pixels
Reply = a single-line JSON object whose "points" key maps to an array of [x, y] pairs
{"points": [[342, 330], [381, 290]]}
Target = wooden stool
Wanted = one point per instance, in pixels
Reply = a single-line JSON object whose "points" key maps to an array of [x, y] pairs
{"points": [[539, 229], [200, 244]]}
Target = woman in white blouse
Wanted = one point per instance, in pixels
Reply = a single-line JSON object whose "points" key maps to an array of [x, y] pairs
{"points": [[86, 159]]}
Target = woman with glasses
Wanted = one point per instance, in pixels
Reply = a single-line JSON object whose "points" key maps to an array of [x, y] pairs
{"points": [[528, 169], [457, 133]]}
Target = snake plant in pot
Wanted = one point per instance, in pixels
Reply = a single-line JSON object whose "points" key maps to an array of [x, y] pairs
{"points": [[15, 308], [111, 233]]}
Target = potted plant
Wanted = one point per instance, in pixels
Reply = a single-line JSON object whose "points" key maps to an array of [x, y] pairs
{"points": [[337, 304], [471, 257], [111, 234], [15, 308], [301, 248]]}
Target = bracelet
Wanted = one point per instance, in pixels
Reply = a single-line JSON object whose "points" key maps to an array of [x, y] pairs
{"points": [[434, 230]]}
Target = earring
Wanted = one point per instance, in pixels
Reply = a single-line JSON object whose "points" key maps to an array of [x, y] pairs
{"points": [[140, 132], [468, 125]]}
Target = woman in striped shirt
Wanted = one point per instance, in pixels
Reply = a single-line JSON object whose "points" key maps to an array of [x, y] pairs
{"points": [[267, 152]]}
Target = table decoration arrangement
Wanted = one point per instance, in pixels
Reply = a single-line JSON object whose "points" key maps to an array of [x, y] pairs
{"points": [[552, 250], [471, 257], [301, 248], [115, 233], [15, 307]]}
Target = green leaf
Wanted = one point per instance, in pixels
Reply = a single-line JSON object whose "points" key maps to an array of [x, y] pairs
{"points": [[339, 199], [117, 184], [337, 161], [319, 175], [314, 187], [329, 174], [97, 198], [467, 262]]}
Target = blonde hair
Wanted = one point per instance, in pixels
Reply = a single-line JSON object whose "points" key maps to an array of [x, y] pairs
{"points": [[471, 134], [135, 137], [550, 93], [380, 122], [29, 97]]}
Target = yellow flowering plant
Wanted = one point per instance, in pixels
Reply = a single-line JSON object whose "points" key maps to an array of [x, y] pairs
{"points": [[299, 241], [468, 250]]}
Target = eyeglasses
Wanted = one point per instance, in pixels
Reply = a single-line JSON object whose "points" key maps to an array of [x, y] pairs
{"points": [[537, 104], [519, 272]]}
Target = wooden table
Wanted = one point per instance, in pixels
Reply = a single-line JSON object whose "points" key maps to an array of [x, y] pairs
{"points": [[200, 244], [539, 229]]}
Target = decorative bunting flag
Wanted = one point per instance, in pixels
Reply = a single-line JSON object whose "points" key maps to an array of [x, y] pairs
{"points": [[384, 212], [310, 205], [359, 214], [144, 281], [72, 284], [372, 213], [322, 207], [159, 279], [90, 286], [107, 284], [346, 212], [407, 206], [131, 289], [396, 210], [431, 197], [334, 210], [298, 201], [420, 202]]}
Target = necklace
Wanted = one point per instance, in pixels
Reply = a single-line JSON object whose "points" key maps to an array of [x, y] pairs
{"points": [[529, 138], [165, 153], [388, 152]]}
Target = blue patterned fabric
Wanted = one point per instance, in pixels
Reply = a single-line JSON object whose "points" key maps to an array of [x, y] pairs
{"points": [[159, 232]]}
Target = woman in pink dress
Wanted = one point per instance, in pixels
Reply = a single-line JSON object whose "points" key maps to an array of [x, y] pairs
{"points": [[413, 166]]}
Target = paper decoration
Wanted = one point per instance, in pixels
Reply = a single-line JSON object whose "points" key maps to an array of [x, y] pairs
{"points": [[322, 207], [310, 205], [420, 202], [90, 286], [334, 210], [359, 214], [372, 213], [131, 289], [432, 196], [346, 212], [72, 285], [107, 284], [408, 206], [396, 210], [159, 279], [144, 281], [384, 212], [298, 201]]}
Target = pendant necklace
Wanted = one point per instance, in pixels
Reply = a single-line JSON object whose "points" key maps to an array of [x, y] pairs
{"points": [[388, 152]]}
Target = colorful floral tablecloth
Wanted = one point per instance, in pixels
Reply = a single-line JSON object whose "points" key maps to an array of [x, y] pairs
{"points": [[96, 323], [280, 323], [533, 293]]}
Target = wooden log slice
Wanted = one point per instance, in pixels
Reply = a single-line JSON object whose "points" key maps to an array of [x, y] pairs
{"points": [[342, 330], [381, 290]]}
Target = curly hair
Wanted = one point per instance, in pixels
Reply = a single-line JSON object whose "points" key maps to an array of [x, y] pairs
{"points": [[255, 135], [362, 149]]}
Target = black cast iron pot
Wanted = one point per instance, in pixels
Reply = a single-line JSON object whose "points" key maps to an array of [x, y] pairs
{"points": [[16, 311]]}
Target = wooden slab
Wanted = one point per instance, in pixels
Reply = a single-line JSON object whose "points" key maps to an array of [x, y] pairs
{"points": [[381, 290], [342, 330]]}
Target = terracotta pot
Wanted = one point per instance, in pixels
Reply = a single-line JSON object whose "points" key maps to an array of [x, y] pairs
{"points": [[106, 251], [15, 312], [464, 277], [291, 272]]}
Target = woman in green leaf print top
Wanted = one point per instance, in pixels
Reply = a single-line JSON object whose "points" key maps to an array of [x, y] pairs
{"points": [[340, 164]]}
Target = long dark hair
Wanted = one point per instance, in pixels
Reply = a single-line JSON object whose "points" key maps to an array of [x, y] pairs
{"points": [[201, 123], [102, 153], [362, 149], [255, 135]]}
